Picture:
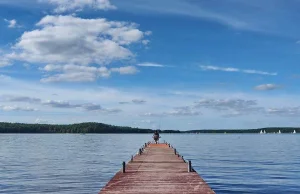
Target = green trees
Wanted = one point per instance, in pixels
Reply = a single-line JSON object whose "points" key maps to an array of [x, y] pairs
{"points": [[74, 128], [104, 128]]}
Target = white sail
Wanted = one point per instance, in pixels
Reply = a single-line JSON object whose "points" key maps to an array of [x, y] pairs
{"points": [[294, 131], [279, 131], [260, 131], [264, 131]]}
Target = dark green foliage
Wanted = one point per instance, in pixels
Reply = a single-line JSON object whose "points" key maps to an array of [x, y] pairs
{"points": [[74, 128], [104, 128]]}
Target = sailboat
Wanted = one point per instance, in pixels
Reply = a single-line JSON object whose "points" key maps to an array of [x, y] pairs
{"points": [[260, 132], [279, 131], [264, 131], [294, 131]]}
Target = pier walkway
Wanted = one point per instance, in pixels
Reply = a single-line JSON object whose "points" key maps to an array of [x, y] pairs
{"points": [[157, 168]]}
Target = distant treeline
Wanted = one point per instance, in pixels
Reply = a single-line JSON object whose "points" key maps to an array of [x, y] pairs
{"points": [[104, 128], [73, 128]]}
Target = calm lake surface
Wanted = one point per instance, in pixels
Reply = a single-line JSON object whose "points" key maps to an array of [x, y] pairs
{"points": [[83, 164]]}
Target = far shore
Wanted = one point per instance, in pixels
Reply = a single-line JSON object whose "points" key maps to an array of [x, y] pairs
{"points": [[100, 128]]}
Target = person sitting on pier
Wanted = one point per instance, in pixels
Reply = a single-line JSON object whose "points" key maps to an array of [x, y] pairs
{"points": [[156, 136]]}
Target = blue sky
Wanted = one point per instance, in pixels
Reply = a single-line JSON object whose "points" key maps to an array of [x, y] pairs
{"points": [[176, 63]]}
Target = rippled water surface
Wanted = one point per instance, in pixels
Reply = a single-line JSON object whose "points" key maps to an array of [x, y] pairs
{"points": [[71, 164]]}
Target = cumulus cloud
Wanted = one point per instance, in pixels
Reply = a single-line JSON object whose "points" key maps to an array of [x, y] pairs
{"points": [[68, 39], [225, 103], [11, 23], [111, 110], [134, 101], [90, 107], [60, 104], [78, 5], [4, 61], [148, 33], [138, 101], [265, 87], [147, 64], [183, 111], [97, 108], [150, 114], [284, 111], [177, 111], [74, 45], [145, 42], [70, 77], [42, 121], [11, 98], [76, 73], [16, 108], [232, 69], [125, 70], [124, 102]]}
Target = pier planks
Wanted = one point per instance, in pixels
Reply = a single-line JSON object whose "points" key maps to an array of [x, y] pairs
{"points": [[156, 170]]}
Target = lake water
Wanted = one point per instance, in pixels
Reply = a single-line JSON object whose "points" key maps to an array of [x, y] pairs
{"points": [[83, 164]]}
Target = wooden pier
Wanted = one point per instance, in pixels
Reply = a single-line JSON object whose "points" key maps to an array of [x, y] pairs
{"points": [[157, 168]]}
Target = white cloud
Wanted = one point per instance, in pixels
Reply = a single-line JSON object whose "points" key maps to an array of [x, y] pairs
{"points": [[60, 104], [125, 70], [234, 104], [70, 77], [90, 107], [78, 5], [27, 66], [258, 72], [74, 46], [148, 33], [284, 111], [232, 69], [214, 108], [73, 40], [124, 102], [11, 23], [145, 42], [42, 121], [4, 61], [183, 111], [265, 87], [150, 114], [138, 101], [147, 64], [76, 73], [16, 108], [11, 98], [215, 68]]}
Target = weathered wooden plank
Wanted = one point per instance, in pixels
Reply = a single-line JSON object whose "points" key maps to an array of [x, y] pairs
{"points": [[157, 170]]}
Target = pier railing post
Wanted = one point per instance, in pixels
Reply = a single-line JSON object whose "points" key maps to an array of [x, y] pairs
{"points": [[175, 151], [131, 158], [190, 166], [140, 151], [123, 167]]}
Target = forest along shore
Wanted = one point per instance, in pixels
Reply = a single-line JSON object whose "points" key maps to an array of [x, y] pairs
{"points": [[105, 128]]}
